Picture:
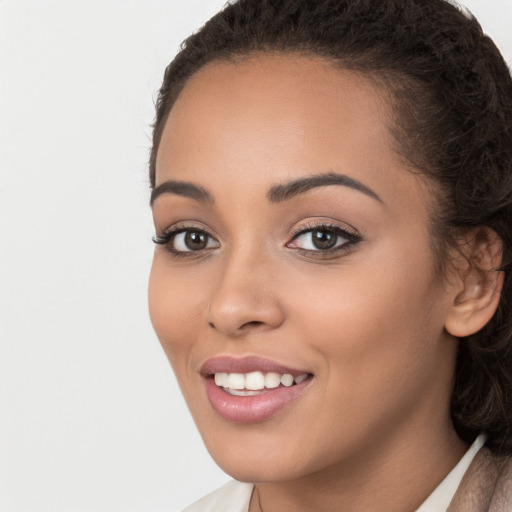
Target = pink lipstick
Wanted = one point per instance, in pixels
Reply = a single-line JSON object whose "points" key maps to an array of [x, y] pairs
{"points": [[251, 389]]}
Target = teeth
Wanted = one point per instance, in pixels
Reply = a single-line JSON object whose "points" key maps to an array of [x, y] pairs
{"points": [[243, 392], [248, 384], [287, 380], [272, 380], [236, 381], [301, 378], [221, 379], [254, 381]]}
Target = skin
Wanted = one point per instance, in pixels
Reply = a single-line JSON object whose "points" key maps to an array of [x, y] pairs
{"points": [[372, 430]]}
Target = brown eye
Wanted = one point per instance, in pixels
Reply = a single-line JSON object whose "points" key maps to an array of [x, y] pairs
{"points": [[182, 241], [195, 240], [324, 239], [190, 240]]}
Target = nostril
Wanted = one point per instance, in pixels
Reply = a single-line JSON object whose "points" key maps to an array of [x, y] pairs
{"points": [[254, 323], [246, 325]]}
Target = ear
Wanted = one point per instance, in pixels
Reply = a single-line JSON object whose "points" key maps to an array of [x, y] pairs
{"points": [[476, 282]]}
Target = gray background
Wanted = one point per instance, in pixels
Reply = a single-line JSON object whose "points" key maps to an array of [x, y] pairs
{"points": [[90, 415]]}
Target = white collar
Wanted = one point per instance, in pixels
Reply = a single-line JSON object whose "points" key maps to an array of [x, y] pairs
{"points": [[443, 494], [235, 496]]}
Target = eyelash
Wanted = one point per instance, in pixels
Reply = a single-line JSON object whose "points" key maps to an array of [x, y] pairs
{"points": [[352, 238], [170, 235]]}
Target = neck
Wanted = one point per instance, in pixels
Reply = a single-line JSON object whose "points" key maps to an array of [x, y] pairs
{"points": [[398, 475]]}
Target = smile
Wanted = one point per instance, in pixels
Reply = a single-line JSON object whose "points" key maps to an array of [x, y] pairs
{"points": [[254, 383], [251, 389]]}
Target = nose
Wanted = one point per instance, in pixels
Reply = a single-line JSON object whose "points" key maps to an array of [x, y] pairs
{"points": [[245, 298]]}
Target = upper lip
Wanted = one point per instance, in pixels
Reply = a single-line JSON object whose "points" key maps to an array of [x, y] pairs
{"points": [[246, 364]]}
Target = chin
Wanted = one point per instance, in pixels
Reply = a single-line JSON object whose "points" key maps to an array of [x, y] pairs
{"points": [[262, 457], [259, 471]]}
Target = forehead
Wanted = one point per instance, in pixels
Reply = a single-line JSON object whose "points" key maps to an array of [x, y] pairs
{"points": [[287, 78], [288, 98], [270, 118]]}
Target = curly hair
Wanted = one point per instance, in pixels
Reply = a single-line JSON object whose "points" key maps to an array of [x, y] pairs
{"points": [[451, 97]]}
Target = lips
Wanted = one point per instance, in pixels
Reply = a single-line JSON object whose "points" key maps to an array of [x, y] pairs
{"points": [[251, 389], [230, 364]]}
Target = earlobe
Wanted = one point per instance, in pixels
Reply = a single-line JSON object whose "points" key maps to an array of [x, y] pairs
{"points": [[478, 283]]}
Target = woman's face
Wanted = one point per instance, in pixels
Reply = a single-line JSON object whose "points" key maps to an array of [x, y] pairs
{"points": [[295, 242]]}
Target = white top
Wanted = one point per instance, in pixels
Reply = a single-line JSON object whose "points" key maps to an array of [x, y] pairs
{"points": [[235, 496]]}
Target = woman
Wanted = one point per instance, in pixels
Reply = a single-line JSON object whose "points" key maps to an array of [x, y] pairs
{"points": [[332, 193]]}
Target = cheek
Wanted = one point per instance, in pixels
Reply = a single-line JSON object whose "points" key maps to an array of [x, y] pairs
{"points": [[378, 319], [378, 338], [175, 307]]}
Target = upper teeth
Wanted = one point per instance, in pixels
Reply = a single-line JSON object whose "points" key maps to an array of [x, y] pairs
{"points": [[255, 381]]}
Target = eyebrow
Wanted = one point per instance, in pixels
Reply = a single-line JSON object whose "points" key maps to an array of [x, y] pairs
{"points": [[276, 194], [182, 188], [294, 188]]}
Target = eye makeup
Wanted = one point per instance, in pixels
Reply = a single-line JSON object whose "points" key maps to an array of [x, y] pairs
{"points": [[315, 239]]}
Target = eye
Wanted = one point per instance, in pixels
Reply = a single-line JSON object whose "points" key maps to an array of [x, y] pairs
{"points": [[192, 241], [181, 240], [323, 239]]}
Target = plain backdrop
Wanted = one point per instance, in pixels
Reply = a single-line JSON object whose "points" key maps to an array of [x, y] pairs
{"points": [[91, 418]]}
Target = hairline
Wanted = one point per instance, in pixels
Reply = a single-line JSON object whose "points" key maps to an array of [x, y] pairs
{"points": [[384, 81]]}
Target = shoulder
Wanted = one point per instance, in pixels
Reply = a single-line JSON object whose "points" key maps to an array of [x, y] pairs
{"points": [[233, 497], [486, 486]]}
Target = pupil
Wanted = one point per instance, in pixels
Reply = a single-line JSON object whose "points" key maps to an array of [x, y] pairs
{"points": [[195, 240], [324, 239]]}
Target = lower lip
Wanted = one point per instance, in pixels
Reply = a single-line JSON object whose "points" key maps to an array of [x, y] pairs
{"points": [[250, 409]]}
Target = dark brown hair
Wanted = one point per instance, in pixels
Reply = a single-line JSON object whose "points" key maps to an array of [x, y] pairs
{"points": [[451, 94]]}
